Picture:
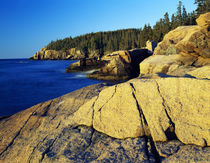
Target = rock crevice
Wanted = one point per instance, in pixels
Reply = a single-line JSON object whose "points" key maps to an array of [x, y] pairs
{"points": [[160, 116]]}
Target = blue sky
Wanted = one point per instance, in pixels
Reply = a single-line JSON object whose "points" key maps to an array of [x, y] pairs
{"points": [[28, 25]]}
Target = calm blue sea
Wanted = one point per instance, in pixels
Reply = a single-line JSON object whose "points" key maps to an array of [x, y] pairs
{"points": [[24, 83]]}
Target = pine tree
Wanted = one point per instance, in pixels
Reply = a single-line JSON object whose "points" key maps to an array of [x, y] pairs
{"points": [[192, 18], [184, 16], [179, 13], [203, 6], [166, 21], [173, 22]]}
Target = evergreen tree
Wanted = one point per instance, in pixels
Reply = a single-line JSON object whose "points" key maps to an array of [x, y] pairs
{"points": [[84, 50], [203, 6], [179, 13], [166, 23], [192, 18], [184, 16], [174, 23]]}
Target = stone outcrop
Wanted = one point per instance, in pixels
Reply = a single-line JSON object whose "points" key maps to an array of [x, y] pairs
{"points": [[121, 65], [168, 106], [77, 127], [85, 64], [200, 73], [73, 54], [118, 66], [151, 45], [204, 20], [169, 65], [181, 51], [190, 40]]}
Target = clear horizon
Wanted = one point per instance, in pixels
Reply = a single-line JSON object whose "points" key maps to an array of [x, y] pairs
{"points": [[29, 25]]}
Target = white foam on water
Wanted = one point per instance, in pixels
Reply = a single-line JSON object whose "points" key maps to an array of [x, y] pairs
{"points": [[77, 76], [80, 76], [22, 62], [90, 71]]}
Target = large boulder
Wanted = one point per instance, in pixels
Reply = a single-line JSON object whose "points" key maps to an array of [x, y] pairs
{"points": [[74, 54], [121, 65], [124, 54], [204, 20], [158, 64], [161, 107], [200, 73], [175, 65], [117, 67], [191, 40], [182, 50]]}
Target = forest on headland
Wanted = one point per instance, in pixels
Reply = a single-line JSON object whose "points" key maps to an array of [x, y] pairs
{"points": [[132, 38]]}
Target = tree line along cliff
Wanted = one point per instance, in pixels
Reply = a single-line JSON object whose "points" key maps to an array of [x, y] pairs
{"points": [[100, 43], [127, 38]]}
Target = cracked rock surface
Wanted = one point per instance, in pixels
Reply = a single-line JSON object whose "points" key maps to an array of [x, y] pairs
{"points": [[123, 123], [162, 108]]}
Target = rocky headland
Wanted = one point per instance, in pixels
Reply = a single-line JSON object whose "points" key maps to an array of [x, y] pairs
{"points": [[70, 54], [161, 116]]}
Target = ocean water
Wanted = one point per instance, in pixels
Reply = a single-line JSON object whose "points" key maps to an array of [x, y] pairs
{"points": [[24, 83]]}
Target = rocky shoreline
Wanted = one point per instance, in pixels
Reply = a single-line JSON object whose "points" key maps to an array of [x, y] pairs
{"points": [[119, 65], [160, 116], [70, 54]]}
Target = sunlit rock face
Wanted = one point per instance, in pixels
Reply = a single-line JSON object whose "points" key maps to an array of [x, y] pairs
{"points": [[158, 118], [188, 40], [151, 45], [73, 54], [121, 122], [121, 65], [151, 107], [182, 50]]}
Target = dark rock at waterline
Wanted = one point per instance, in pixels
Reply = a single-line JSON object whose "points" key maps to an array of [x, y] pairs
{"points": [[85, 64]]}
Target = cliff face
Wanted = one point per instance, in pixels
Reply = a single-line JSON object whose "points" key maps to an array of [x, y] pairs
{"points": [[57, 55], [72, 54]]}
